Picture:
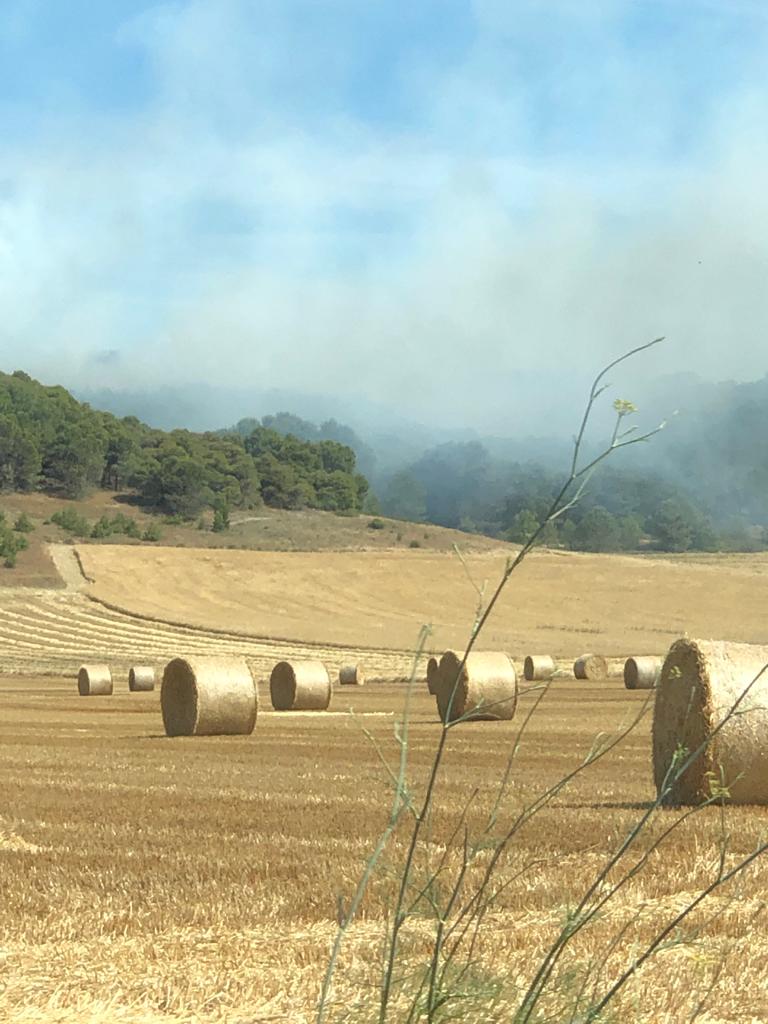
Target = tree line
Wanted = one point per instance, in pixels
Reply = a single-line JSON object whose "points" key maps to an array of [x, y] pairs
{"points": [[459, 485], [49, 441]]}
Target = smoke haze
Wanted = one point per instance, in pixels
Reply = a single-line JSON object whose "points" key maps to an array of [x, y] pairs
{"points": [[456, 214]]}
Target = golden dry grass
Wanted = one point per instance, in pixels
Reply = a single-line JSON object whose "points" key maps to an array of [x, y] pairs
{"points": [[53, 632], [264, 529], [625, 605], [154, 880]]}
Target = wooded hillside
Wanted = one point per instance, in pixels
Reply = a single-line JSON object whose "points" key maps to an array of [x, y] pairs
{"points": [[51, 442]]}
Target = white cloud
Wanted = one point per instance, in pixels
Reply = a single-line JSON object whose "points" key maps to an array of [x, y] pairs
{"points": [[459, 253]]}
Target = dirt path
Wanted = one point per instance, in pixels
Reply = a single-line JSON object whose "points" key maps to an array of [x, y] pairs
{"points": [[68, 566]]}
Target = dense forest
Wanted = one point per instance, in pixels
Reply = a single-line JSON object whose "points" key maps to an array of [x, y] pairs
{"points": [[49, 441], [700, 486], [622, 510], [648, 500]]}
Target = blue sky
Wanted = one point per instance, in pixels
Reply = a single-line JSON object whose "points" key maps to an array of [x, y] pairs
{"points": [[416, 199]]}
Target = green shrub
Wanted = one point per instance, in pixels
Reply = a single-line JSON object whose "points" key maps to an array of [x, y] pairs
{"points": [[23, 524], [101, 528], [11, 544], [415, 544], [376, 524], [221, 519], [123, 524], [152, 533], [71, 521], [176, 519], [119, 525]]}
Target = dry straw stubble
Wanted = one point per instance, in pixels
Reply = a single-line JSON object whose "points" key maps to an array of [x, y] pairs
{"points": [[94, 681], [486, 689], [538, 667], [141, 678], [642, 673], [591, 666], [208, 697], [300, 686], [700, 682]]}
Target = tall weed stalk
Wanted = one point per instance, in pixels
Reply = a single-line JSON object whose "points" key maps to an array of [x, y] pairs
{"points": [[452, 893]]}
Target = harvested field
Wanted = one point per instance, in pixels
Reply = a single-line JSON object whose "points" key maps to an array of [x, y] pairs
{"points": [[215, 864], [52, 632], [267, 529], [156, 881], [633, 605]]}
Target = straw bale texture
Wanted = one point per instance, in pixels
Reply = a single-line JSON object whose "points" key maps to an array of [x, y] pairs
{"points": [[538, 666], [208, 697], [487, 689], [432, 675], [590, 666], [642, 673], [352, 675], [141, 678], [700, 682], [94, 681], [300, 686]]}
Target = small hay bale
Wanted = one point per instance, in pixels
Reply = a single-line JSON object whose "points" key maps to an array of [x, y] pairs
{"points": [[642, 673], [352, 675], [590, 666], [700, 682], [94, 681], [538, 666], [141, 678], [300, 686], [432, 675], [486, 691], [208, 697]]}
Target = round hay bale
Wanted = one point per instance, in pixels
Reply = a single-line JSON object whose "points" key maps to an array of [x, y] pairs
{"points": [[432, 675], [352, 675], [590, 666], [642, 673], [94, 681], [300, 686], [538, 666], [700, 682], [486, 691], [141, 678], [208, 697]]}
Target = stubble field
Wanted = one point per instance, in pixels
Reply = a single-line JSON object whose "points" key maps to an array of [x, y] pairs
{"points": [[148, 880]]}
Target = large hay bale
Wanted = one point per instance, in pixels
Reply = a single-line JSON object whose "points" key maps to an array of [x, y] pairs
{"points": [[486, 690], [590, 666], [300, 686], [208, 697], [538, 666], [94, 681], [141, 678], [352, 675], [700, 682], [432, 675], [642, 673]]}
